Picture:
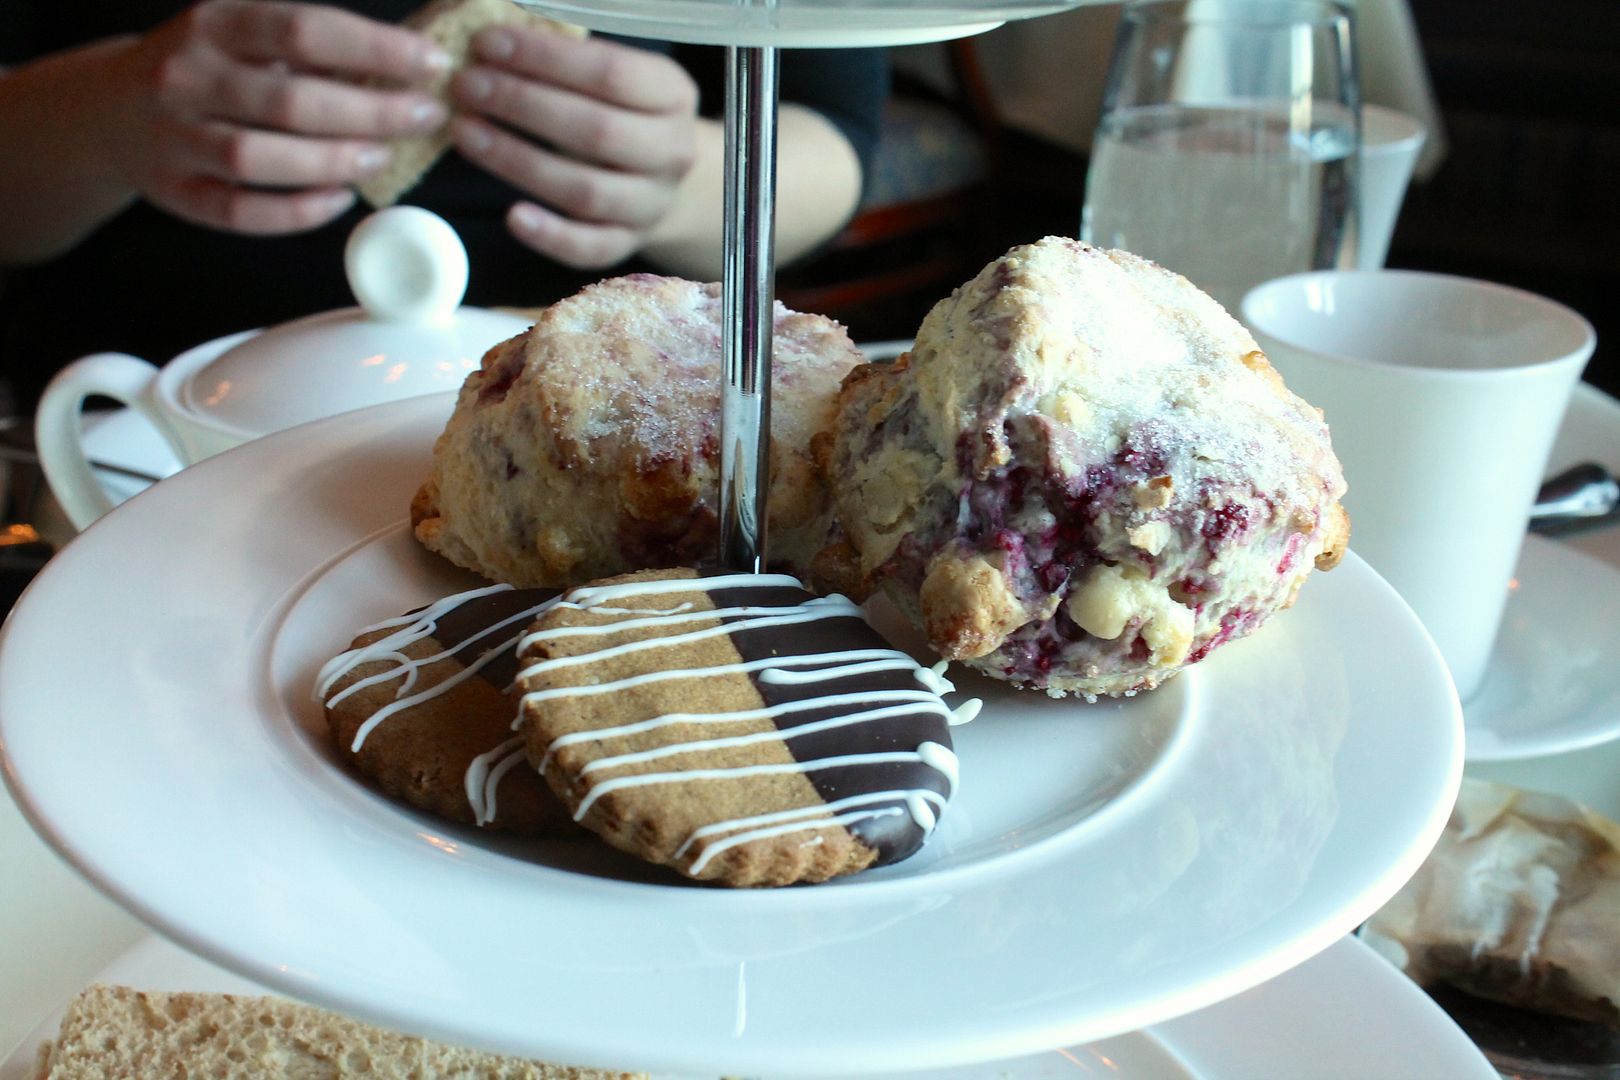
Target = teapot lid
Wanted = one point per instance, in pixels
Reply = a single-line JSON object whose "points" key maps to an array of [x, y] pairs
{"points": [[409, 335]]}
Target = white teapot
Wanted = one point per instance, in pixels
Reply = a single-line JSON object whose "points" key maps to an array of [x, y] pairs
{"points": [[408, 270]]}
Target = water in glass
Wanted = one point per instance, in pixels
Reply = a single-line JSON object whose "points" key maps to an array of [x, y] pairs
{"points": [[1229, 197]]}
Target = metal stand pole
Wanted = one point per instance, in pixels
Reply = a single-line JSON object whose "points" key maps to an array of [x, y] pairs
{"points": [[747, 305]]}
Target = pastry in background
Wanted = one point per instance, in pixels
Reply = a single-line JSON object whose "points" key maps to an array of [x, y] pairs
{"points": [[735, 727], [590, 445], [450, 24], [1519, 903], [114, 1031], [1083, 478]]}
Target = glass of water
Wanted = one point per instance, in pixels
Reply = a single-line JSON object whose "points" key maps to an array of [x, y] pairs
{"points": [[1228, 141]]}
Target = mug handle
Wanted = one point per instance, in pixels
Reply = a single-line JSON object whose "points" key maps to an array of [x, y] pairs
{"points": [[59, 434]]}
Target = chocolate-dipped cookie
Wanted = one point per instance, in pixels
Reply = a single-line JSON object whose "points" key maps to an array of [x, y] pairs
{"points": [[424, 705], [737, 727]]}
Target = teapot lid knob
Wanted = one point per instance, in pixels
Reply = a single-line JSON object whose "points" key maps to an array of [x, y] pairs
{"points": [[406, 264]]}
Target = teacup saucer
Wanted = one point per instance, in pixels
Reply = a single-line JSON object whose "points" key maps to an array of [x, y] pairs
{"points": [[1553, 683]]}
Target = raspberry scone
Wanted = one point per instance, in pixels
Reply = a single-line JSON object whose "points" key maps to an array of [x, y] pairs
{"points": [[1083, 478], [590, 445]]}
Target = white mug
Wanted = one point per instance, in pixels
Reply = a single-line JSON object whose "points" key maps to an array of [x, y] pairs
{"points": [[1390, 144], [1443, 396]]}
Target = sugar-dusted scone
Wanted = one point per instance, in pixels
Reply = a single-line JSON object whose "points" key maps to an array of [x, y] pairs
{"points": [[737, 728], [450, 24], [590, 445], [424, 705], [1084, 477]]}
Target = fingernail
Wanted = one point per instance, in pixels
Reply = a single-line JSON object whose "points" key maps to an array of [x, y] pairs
{"points": [[337, 202], [472, 136], [497, 44], [428, 114], [436, 60], [526, 216], [476, 85], [371, 158]]}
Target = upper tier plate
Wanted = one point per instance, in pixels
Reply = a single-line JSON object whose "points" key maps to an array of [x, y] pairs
{"points": [[797, 23], [1105, 867]]}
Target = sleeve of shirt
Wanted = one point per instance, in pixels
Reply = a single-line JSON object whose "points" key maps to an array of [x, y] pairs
{"points": [[847, 86]]}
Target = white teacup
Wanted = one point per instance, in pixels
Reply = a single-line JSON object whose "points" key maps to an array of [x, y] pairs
{"points": [[1390, 144], [1443, 395]]}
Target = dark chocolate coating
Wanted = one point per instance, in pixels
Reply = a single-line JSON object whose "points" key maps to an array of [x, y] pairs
{"points": [[893, 836], [456, 628]]}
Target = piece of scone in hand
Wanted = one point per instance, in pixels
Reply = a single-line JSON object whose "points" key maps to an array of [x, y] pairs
{"points": [[450, 24], [590, 445], [1085, 475]]}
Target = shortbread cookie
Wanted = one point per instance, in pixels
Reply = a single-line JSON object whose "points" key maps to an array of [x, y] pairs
{"points": [[1084, 477], [450, 24], [424, 705], [590, 445], [735, 727]]}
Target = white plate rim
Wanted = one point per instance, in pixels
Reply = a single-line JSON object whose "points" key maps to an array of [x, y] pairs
{"points": [[1050, 1024]]}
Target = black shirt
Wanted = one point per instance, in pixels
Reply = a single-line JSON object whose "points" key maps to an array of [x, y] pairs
{"points": [[149, 284]]}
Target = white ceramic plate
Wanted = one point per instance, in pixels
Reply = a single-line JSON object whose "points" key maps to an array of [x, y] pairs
{"points": [[1553, 684], [1106, 867], [1292, 1026], [1591, 775]]}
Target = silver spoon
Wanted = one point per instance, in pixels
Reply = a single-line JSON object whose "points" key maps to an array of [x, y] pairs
{"points": [[1586, 496]]}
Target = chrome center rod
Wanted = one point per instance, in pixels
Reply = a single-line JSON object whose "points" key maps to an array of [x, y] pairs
{"points": [[747, 304]]}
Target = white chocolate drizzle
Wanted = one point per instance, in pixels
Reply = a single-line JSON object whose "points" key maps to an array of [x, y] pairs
{"points": [[753, 738], [770, 713], [811, 611], [879, 660], [484, 775]]}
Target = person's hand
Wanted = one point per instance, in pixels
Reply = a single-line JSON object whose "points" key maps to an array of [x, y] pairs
{"points": [[248, 115], [599, 134]]}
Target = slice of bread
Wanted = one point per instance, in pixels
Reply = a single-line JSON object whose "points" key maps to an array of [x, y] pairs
{"points": [[113, 1032], [451, 25]]}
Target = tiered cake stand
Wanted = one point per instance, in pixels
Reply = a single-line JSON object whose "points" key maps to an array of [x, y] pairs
{"points": [[1096, 873]]}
